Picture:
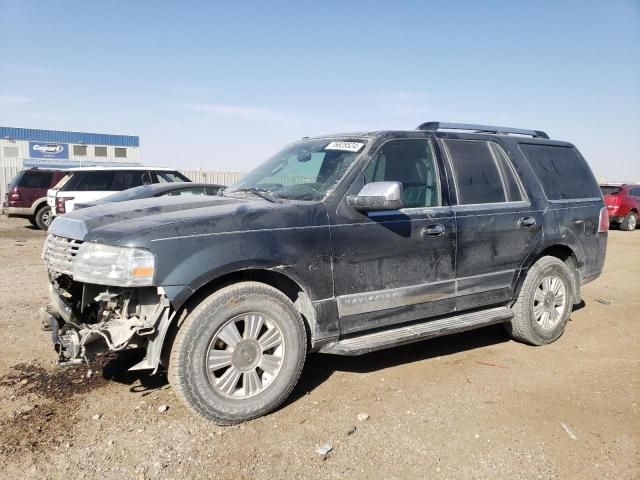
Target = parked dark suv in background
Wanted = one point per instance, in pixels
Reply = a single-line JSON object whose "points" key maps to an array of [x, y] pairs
{"points": [[343, 244], [623, 203], [27, 195]]}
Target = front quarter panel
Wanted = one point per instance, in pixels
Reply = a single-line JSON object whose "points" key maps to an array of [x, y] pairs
{"points": [[290, 239]]}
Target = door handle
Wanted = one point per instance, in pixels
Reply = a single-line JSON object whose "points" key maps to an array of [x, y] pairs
{"points": [[527, 222], [433, 231]]}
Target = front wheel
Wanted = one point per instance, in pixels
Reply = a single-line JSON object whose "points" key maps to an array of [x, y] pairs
{"points": [[239, 354], [544, 304]]}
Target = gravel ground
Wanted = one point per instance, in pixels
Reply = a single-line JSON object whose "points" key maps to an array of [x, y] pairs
{"points": [[473, 405]]}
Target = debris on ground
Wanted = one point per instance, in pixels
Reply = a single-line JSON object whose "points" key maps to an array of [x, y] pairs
{"points": [[603, 301], [163, 408], [97, 416], [568, 430], [363, 417], [351, 430], [324, 449]]}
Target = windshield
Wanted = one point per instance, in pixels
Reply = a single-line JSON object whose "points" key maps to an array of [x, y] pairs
{"points": [[609, 190], [305, 170]]}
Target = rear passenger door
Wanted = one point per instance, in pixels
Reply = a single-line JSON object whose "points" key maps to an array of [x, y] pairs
{"points": [[497, 227]]}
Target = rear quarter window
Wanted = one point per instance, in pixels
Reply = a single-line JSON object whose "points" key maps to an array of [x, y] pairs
{"points": [[36, 180], [562, 172]]}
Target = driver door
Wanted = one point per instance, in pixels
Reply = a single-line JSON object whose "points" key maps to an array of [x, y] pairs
{"points": [[396, 266]]}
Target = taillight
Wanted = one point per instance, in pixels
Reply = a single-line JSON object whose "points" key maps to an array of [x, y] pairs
{"points": [[603, 222], [60, 205], [16, 196]]}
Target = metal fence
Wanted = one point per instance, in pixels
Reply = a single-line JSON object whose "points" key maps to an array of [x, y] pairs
{"points": [[220, 178], [8, 169]]}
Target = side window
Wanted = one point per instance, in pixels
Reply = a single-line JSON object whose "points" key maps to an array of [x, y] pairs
{"points": [[95, 181], [411, 163], [80, 150], [126, 179], [168, 177], [477, 176], [635, 192], [36, 180], [562, 172]]}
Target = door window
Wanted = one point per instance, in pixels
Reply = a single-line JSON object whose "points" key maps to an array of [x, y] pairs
{"points": [[125, 180], [411, 163], [482, 172]]}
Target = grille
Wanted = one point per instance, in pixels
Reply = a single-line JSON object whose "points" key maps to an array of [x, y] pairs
{"points": [[59, 253]]}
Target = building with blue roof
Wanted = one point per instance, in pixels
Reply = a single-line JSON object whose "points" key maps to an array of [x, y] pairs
{"points": [[29, 148]]}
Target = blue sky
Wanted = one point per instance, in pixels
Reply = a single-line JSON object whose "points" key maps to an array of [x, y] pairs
{"points": [[222, 86]]}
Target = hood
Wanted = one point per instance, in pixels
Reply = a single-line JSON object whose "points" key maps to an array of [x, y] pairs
{"points": [[138, 222]]}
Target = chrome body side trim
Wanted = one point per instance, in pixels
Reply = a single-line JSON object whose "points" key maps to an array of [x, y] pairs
{"points": [[357, 303]]}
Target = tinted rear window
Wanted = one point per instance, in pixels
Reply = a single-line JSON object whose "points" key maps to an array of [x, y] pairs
{"points": [[562, 172], [36, 180], [608, 190]]}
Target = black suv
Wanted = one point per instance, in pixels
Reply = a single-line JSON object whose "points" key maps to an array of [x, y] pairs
{"points": [[343, 244]]}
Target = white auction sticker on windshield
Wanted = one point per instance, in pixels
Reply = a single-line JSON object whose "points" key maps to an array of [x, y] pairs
{"points": [[346, 146]]}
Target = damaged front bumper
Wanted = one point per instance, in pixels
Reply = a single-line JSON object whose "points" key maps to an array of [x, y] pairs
{"points": [[86, 320]]}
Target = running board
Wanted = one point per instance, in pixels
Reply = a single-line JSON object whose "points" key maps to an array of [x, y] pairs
{"points": [[392, 337]]}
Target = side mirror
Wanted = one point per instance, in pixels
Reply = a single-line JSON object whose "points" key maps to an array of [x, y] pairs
{"points": [[377, 196]]}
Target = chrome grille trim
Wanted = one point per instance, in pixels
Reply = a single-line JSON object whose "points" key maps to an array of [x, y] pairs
{"points": [[59, 253]]}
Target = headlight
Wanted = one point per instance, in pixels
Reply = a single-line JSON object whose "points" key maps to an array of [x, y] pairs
{"points": [[117, 266]]}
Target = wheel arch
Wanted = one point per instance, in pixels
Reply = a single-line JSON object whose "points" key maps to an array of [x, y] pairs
{"points": [[38, 205], [561, 251], [282, 282]]}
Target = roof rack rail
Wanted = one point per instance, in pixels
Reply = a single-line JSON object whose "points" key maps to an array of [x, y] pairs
{"points": [[435, 126]]}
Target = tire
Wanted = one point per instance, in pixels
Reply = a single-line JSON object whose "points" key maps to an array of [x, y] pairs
{"points": [[206, 338], [630, 222], [43, 218], [528, 325]]}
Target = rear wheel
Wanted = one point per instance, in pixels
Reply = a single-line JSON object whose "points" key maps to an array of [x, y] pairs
{"points": [[544, 303], [630, 222], [239, 354], [43, 218]]}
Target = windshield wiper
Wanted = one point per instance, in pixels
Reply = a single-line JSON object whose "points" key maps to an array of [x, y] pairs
{"points": [[260, 192]]}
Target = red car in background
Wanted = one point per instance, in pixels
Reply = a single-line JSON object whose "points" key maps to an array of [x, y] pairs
{"points": [[623, 204], [27, 195]]}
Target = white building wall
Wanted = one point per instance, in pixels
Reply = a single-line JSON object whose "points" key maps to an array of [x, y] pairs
{"points": [[23, 151]]}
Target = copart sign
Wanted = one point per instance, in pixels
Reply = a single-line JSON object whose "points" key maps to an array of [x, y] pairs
{"points": [[48, 150]]}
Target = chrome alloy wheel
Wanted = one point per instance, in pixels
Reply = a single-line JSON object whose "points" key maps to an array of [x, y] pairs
{"points": [[549, 302], [245, 356], [47, 217]]}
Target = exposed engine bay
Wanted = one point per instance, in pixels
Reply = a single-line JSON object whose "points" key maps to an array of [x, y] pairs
{"points": [[87, 319]]}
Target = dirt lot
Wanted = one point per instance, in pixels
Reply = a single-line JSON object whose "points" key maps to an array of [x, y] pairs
{"points": [[474, 405]]}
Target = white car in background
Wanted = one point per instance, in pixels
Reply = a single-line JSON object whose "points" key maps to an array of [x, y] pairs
{"points": [[87, 184]]}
